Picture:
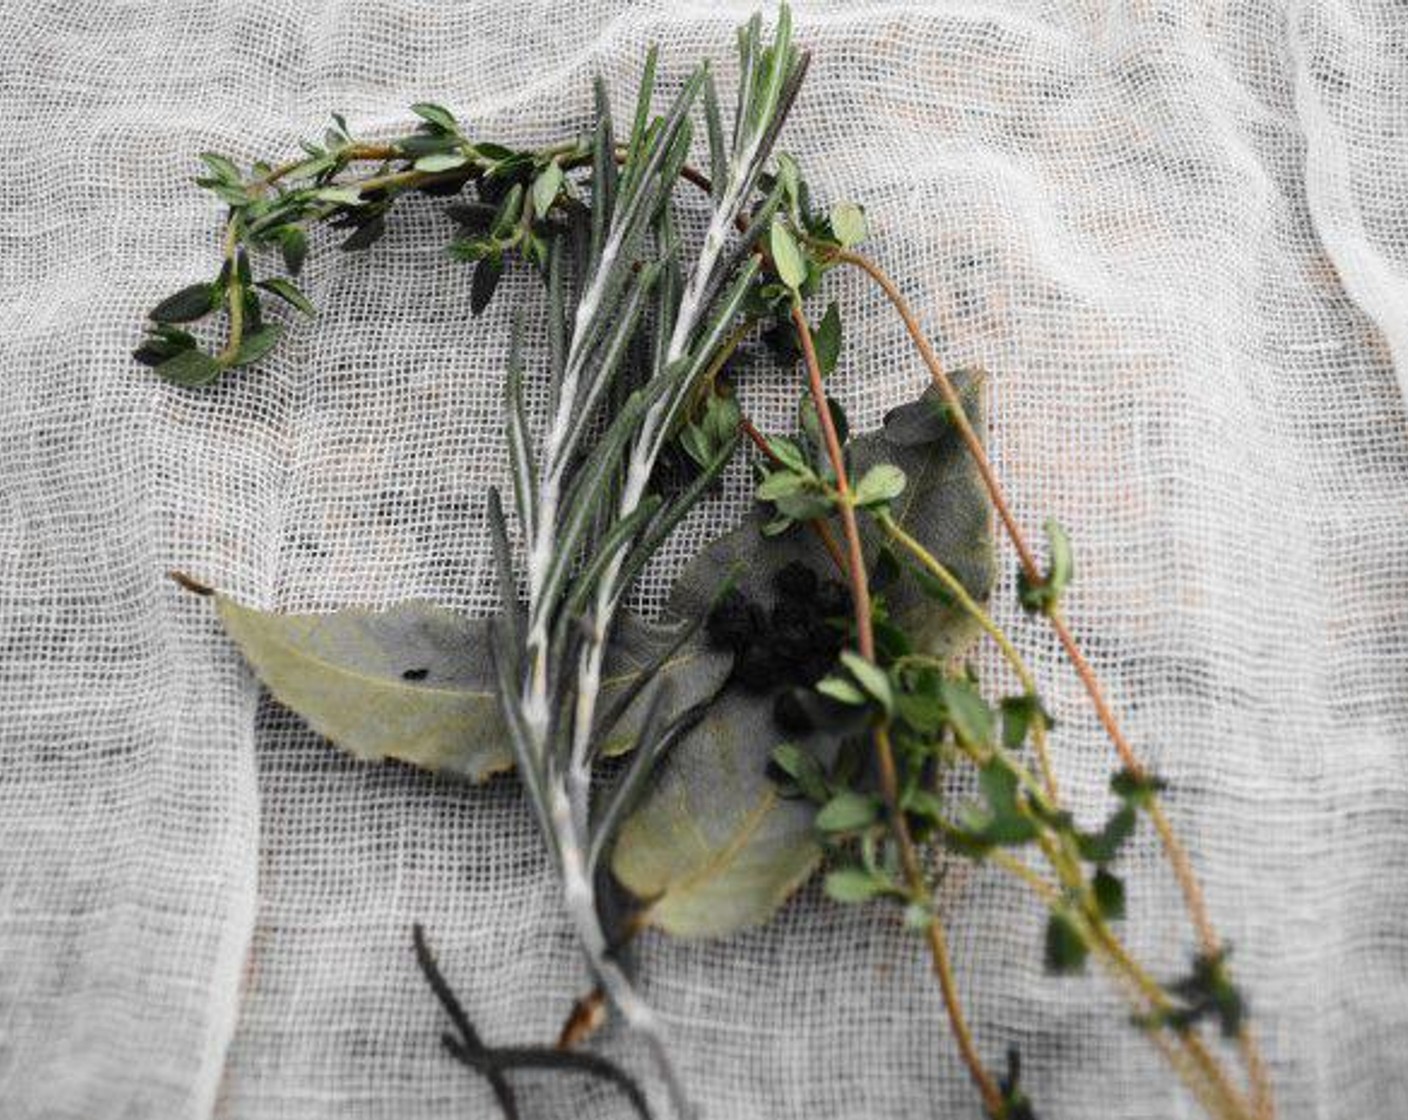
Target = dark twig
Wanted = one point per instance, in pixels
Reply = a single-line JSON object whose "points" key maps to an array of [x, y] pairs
{"points": [[494, 1061]]}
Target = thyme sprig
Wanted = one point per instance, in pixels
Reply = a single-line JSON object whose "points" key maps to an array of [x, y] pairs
{"points": [[922, 711]]}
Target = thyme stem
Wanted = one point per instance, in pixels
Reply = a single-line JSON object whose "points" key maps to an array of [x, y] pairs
{"points": [[884, 751], [955, 587], [1189, 885]]}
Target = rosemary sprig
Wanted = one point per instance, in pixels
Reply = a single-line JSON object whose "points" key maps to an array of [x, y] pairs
{"points": [[591, 522]]}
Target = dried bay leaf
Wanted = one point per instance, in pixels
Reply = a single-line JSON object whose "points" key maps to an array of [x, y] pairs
{"points": [[944, 505], [713, 848], [414, 682]]}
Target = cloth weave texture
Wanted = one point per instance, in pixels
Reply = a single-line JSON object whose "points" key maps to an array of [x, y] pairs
{"points": [[1175, 235]]}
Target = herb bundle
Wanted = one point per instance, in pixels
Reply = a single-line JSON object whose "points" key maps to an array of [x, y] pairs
{"points": [[833, 622]]}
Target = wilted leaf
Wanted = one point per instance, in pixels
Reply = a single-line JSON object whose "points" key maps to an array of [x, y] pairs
{"points": [[714, 847], [412, 682]]}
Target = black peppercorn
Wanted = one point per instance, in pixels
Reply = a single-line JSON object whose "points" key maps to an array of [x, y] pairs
{"points": [[796, 582]]}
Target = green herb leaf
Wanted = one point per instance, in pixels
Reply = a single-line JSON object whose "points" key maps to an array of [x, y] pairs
{"points": [[880, 485], [781, 484], [802, 767], [1043, 597], [441, 161], [223, 167], [1006, 824], [786, 256], [1207, 993], [435, 115], [848, 224], [187, 305], [256, 344], [917, 917], [190, 367], [791, 179], [293, 243], [289, 293], [163, 343], [546, 187], [312, 168], [1137, 790], [1019, 713], [367, 234], [871, 678], [1108, 890], [487, 274], [345, 196], [848, 812], [1103, 846], [238, 197], [827, 340], [1066, 950], [923, 804], [856, 884], [842, 691], [463, 249], [968, 712]]}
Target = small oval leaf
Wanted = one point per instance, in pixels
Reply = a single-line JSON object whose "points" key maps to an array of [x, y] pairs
{"points": [[441, 161], [257, 344], [791, 268], [190, 367], [187, 305]]}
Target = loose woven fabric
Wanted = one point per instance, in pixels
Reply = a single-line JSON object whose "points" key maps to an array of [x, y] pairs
{"points": [[1174, 233]]}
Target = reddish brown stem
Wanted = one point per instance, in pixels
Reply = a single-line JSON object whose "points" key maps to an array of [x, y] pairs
{"points": [[820, 528], [855, 556], [884, 752], [1177, 855]]}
